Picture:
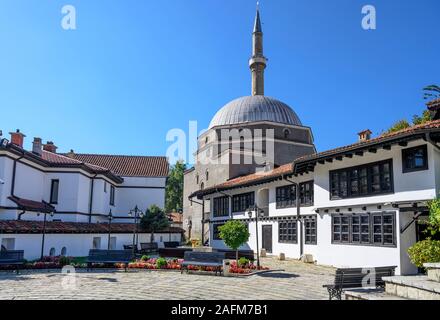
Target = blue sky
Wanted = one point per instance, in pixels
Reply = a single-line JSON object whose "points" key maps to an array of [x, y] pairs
{"points": [[135, 69]]}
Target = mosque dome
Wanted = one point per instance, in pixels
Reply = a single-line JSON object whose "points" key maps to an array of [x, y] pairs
{"points": [[255, 109]]}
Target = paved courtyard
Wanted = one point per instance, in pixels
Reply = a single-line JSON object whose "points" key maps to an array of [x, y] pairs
{"points": [[296, 281]]}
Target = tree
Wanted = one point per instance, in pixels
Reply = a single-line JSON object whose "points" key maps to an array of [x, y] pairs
{"points": [[400, 125], [174, 188], [434, 216], [154, 220], [425, 117], [234, 233]]}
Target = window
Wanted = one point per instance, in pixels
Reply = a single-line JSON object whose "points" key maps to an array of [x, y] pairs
{"points": [[216, 232], [112, 195], [286, 196], [287, 231], [97, 243], [242, 202], [310, 236], [306, 193], [286, 133], [221, 207], [105, 187], [207, 175], [371, 179], [377, 229], [8, 244], [197, 179], [54, 191], [63, 251], [112, 244], [52, 252], [415, 159]]}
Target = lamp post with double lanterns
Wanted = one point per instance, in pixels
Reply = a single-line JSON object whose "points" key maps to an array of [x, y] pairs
{"points": [[110, 218], [258, 213], [136, 214]]}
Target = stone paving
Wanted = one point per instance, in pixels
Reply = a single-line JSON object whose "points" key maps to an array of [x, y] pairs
{"points": [[296, 281]]}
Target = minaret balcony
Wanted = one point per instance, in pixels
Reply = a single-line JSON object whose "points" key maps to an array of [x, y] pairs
{"points": [[257, 60]]}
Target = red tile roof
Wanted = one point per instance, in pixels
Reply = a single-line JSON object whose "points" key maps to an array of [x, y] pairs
{"points": [[56, 158], [176, 217], [30, 205], [126, 166], [387, 136], [26, 227], [289, 169]]}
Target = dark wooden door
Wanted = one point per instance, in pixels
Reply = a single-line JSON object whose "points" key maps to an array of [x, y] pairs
{"points": [[267, 238]]}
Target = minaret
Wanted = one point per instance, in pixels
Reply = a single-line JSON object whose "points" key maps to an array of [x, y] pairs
{"points": [[258, 61]]}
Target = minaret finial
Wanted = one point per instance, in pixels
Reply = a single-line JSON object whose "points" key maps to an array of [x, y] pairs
{"points": [[257, 63]]}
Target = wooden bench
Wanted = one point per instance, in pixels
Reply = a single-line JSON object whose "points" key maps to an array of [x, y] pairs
{"points": [[109, 257], [171, 244], [350, 278], [12, 258], [231, 254], [203, 259], [147, 248]]}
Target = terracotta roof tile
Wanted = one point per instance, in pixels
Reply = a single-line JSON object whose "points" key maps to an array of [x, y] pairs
{"points": [[14, 226], [31, 205], [126, 166], [290, 169]]}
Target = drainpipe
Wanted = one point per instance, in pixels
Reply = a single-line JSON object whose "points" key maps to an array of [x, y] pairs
{"points": [[298, 216], [14, 170], [92, 185]]}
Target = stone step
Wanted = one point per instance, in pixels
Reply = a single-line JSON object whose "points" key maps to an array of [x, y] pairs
{"points": [[370, 294], [412, 287]]}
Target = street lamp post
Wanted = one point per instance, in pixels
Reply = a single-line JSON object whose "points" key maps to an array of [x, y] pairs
{"points": [[44, 233], [136, 214], [110, 218], [257, 213]]}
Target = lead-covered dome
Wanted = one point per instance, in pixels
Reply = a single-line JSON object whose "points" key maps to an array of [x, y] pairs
{"points": [[255, 109]]}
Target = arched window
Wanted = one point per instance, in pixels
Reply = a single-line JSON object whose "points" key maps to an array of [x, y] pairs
{"points": [[197, 178], [64, 251], [52, 252], [286, 133], [206, 140], [207, 175], [202, 186]]}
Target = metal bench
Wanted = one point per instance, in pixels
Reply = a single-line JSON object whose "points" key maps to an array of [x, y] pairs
{"points": [[350, 278], [171, 244], [147, 248], [12, 258], [109, 257], [203, 259]]}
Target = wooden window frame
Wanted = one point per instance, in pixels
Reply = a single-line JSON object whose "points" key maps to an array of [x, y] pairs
{"points": [[304, 201], [284, 231], [53, 199], [371, 232], [220, 207], [407, 152], [368, 167], [242, 202], [282, 200], [307, 226]]}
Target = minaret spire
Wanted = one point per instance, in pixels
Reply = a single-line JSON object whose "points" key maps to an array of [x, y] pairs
{"points": [[258, 61]]}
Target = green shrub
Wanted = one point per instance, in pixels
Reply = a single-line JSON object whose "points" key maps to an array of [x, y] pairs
{"points": [[161, 263], [64, 261], [145, 258], [427, 251], [243, 262]]}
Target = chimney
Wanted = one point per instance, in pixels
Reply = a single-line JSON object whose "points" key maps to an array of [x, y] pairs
{"points": [[434, 109], [50, 147], [71, 153], [37, 146], [364, 135], [17, 138]]}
